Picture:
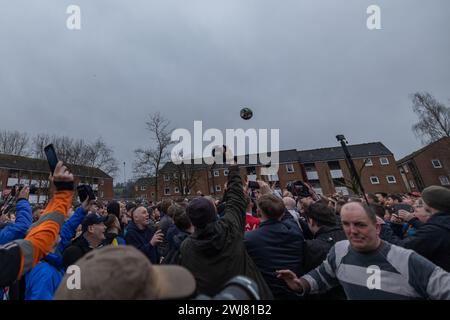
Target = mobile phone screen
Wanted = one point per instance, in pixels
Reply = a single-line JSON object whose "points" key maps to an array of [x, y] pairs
{"points": [[52, 158]]}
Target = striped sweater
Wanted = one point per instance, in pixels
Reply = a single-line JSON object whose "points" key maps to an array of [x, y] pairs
{"points": [[390, 272]]}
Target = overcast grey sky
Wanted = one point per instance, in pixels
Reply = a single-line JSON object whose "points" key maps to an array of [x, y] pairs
{"points": [[308, 67]]}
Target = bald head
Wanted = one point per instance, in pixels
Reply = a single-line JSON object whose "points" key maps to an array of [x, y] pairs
{"points": [[289, 203], [358, 206]]}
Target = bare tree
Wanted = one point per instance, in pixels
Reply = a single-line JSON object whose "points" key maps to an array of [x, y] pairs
{"points": [[78, 152], [99, 155], [150, 160], [434, 118], [14, 142], [186, 174]]}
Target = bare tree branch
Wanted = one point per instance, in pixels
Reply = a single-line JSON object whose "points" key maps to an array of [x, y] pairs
{"points": [[150, 160], [434, 118], [14, 142]]}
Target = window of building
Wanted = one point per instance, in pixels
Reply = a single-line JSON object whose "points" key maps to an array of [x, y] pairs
{"points": [[436, 163], [374, 180], [368, 162], [405, 167], [166, 191], [218, 188], [384, 161], [166, 177], [143, 188], [153, 194], [411, 184], [177, 190], [225, 172], [216, 173], [187, 190], [289, 168], [444, 180], [334, 165], [391, 179]]}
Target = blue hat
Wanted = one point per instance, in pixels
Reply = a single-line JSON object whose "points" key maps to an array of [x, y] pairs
{"points": [[90, 219]]}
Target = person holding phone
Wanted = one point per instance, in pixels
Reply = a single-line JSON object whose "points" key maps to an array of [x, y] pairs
{"points": [[19, 256], [18, 229]]}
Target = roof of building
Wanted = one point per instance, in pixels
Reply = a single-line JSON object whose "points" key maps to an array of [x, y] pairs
{"points": [[284, 156], [417, 152], [147, 181], [336, 153], [38, 165]]}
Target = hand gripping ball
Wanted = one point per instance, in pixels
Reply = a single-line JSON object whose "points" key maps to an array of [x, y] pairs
{"points": [[246, 113]]}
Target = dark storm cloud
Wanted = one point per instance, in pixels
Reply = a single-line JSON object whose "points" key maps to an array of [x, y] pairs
{"points": [[310, 68]]}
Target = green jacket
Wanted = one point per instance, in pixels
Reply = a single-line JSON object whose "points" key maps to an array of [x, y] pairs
{"points": [[216, 253]]}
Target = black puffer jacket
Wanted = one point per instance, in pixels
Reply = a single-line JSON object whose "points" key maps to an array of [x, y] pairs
{"points": [[216, 253]]}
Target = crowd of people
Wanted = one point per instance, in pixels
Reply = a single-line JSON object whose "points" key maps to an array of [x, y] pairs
{"points": [[292, 244]]}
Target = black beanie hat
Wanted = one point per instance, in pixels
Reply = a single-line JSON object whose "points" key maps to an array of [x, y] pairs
{"points": [[201, 211]]}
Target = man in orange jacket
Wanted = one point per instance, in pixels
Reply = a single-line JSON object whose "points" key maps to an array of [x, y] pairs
{"points": [[19, 256]]}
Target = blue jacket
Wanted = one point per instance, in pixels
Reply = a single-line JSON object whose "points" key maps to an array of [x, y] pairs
{"points": [[17, 230], [276, 245], [42, 281], [69, 229], [140, 239]]}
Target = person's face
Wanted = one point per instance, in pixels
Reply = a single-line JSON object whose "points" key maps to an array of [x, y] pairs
{"points": [[380, 198], [359, 229], [94, 208], [420, 212], [156, 214], [390, 201], [299, 206], [312, 226], [141, 216], [12, 218], [98, 231], [306, 202]]}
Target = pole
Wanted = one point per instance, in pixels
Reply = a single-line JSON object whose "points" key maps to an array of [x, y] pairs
{"points": [[124, 177], [350, 164]]}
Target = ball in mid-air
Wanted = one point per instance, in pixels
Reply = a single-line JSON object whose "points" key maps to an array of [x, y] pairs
{"points": [[246, 113]]}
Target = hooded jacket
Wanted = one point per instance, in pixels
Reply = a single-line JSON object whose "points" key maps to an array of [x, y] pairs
{"points": [[216, 253]]}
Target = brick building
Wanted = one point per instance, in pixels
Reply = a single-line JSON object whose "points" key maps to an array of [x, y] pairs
{"points": [[427, 166], [324, 168], [28, 171], [327, 171]]}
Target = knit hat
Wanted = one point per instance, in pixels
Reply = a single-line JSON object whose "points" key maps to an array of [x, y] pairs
{"points": [[201, 211], [125, 273], [437, 198]]}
